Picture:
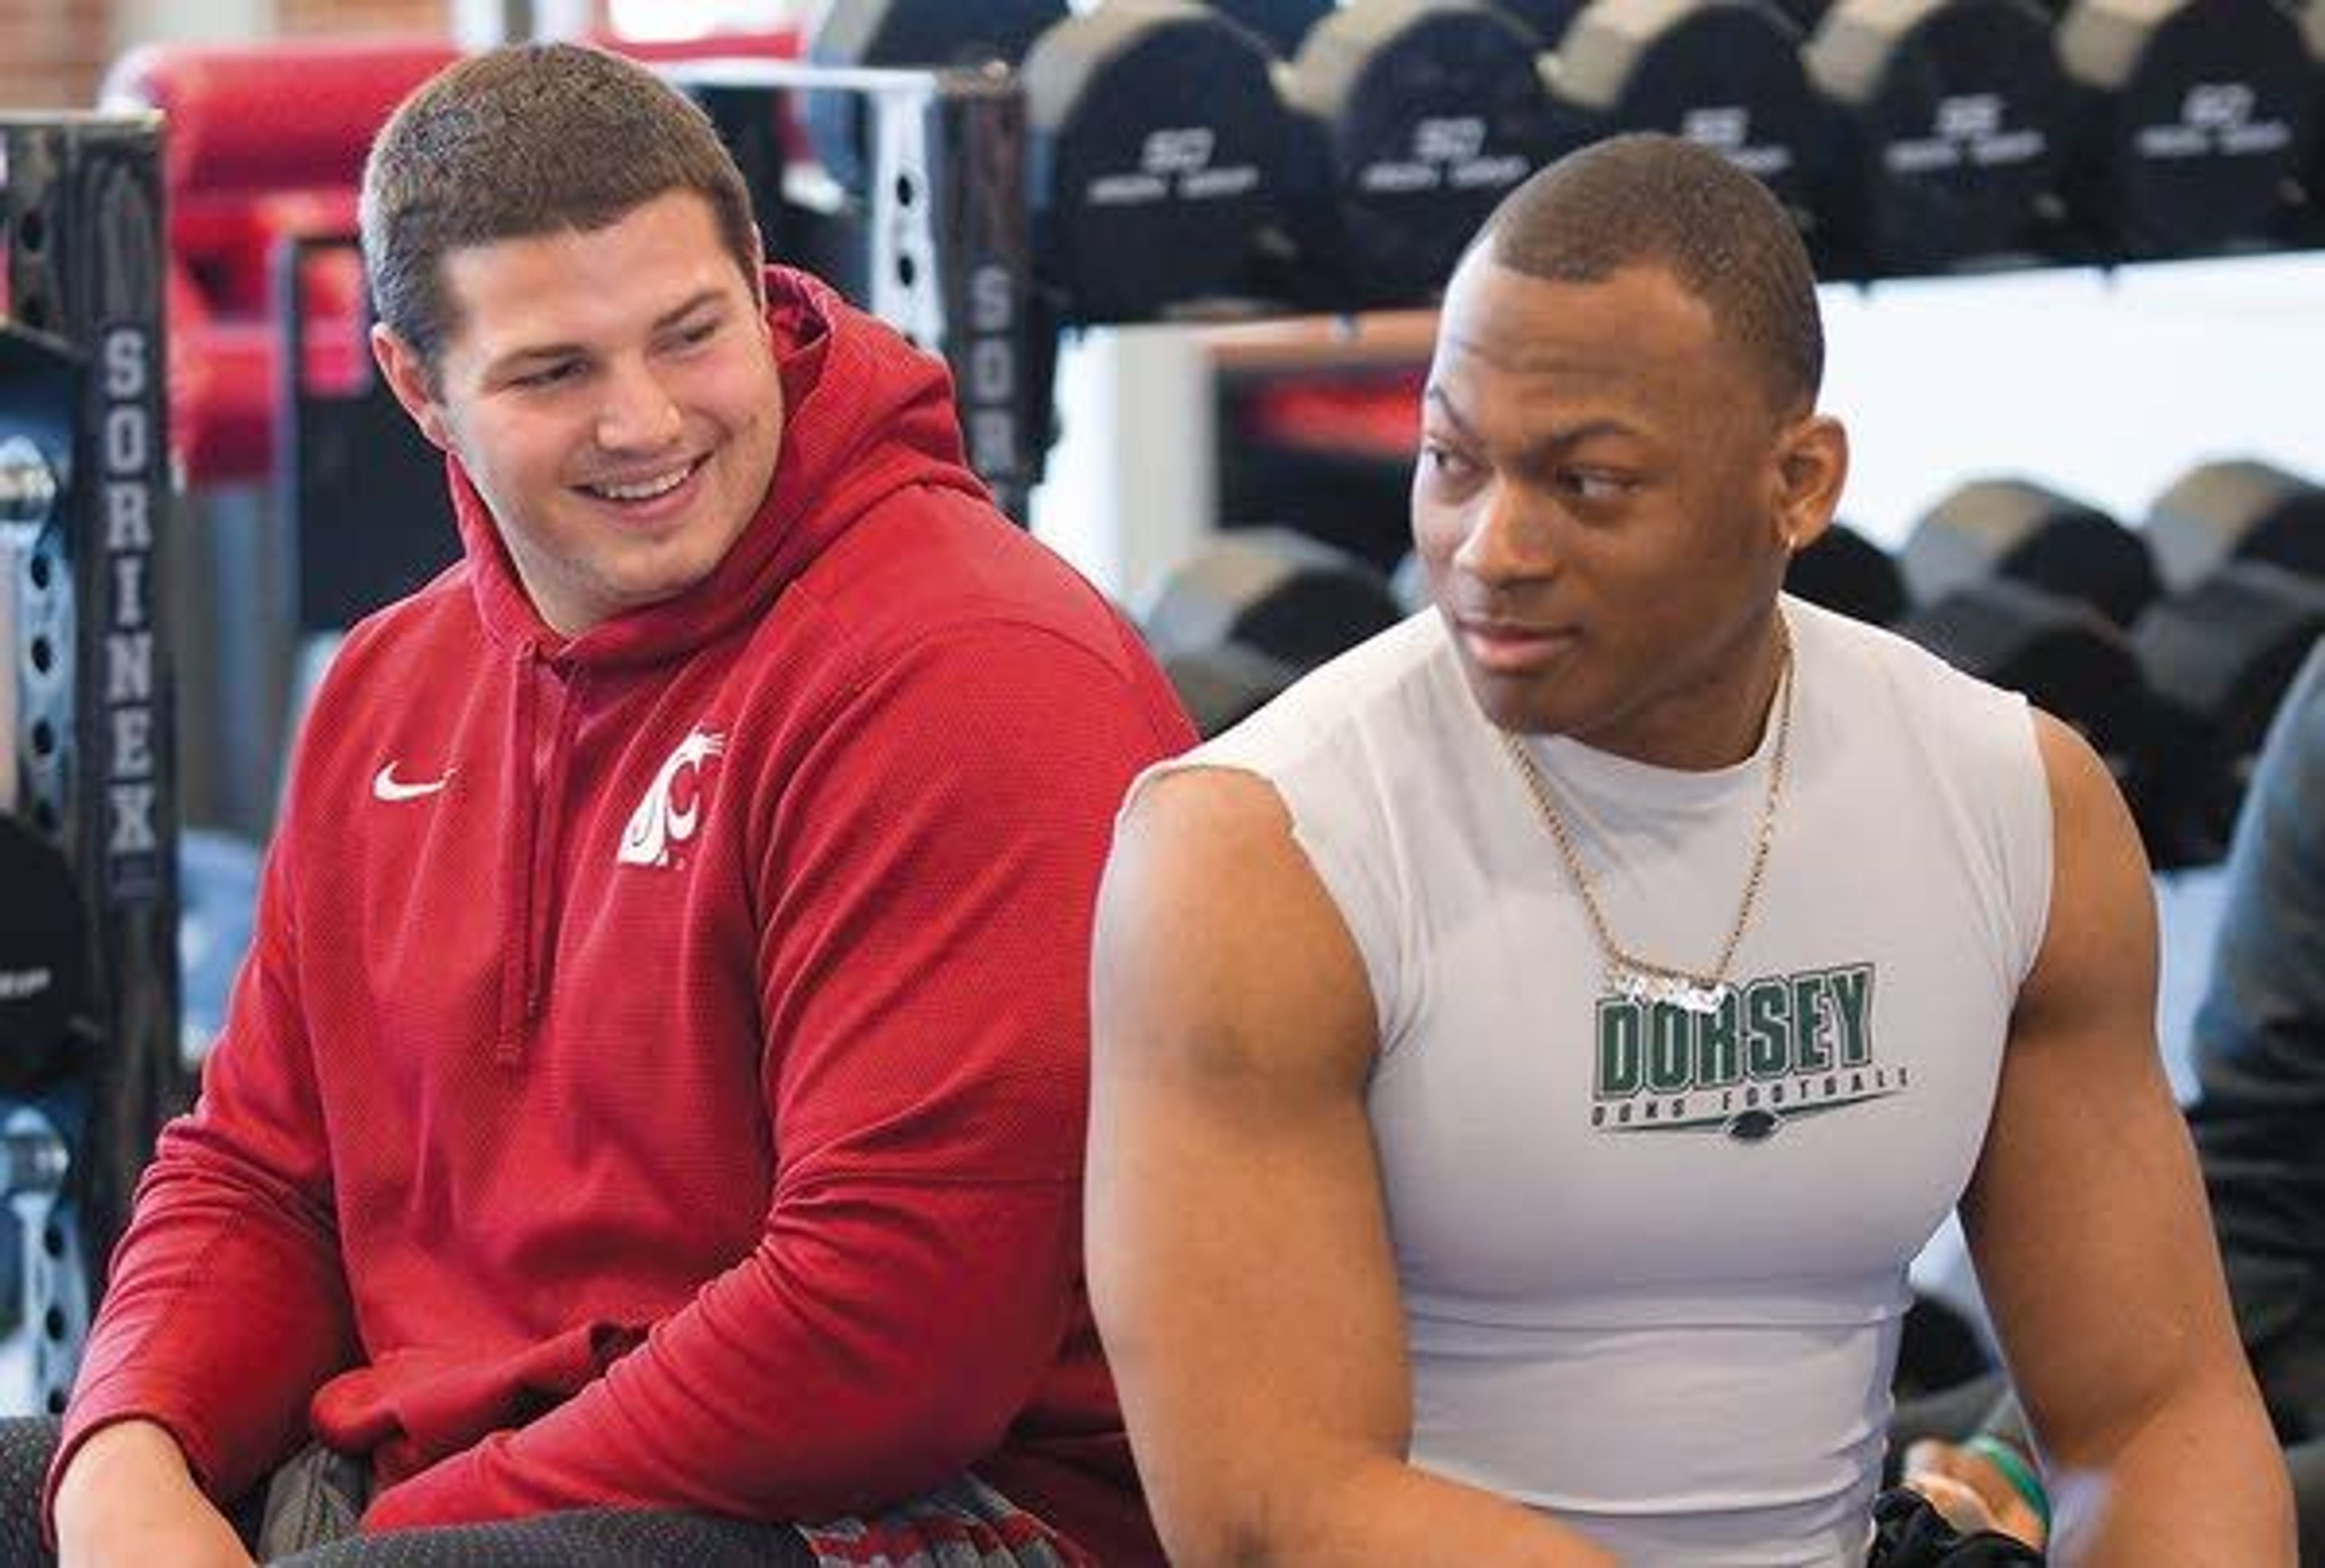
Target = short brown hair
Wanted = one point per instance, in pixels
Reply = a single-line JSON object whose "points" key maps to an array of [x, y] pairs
{"points": [[527, 140], [1645, 199]]}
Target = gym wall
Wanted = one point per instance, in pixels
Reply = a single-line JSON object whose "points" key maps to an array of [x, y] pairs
{"points": [[2104, 384]]}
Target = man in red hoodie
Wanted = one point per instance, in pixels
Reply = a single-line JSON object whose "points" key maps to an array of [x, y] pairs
{"points": [[657, 1083]]}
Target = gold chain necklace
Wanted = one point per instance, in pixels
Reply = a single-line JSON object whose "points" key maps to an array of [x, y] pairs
{"points": [[1626, 974]]}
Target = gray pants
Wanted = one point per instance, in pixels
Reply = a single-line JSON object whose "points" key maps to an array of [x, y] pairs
{"points": [[315, 1500]]}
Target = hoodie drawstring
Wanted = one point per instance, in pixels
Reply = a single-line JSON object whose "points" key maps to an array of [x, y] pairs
{"points": [[519, 798], [532, 812]]}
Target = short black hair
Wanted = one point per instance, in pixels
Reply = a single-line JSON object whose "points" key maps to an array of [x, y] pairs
{"points": [[1648, 199]]}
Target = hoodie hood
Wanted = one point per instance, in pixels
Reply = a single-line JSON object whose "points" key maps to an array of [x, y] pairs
{"points": [[865, 415]]}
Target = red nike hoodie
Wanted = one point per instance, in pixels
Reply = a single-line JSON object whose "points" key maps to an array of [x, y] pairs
{"points": [[659, 1075]]}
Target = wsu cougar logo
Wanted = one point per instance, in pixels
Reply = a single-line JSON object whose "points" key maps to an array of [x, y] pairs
{"points": [[672, 804]]}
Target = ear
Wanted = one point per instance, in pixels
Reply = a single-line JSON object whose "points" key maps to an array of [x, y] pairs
{"points": [[1811, 466], [759, 277], [407, 378]]}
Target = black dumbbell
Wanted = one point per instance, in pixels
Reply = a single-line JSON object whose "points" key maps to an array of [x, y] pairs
{"points": [[1548, 18], [1280, 24], [1222, 687], [1254, 610], [1284, 24], [1844, 570], [2313, 35], [1155, 154], [2241, 547], [2236, 509], [1413, 119], [1154, 144], [1948, 116], [2030, 532], [2190, 120], [1725, 73], [40, 964], [2068, 660], [2218, 658]]}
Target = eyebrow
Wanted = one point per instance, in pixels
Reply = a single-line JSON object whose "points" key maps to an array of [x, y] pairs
{"points": [[1548, 443], [535, 352]]}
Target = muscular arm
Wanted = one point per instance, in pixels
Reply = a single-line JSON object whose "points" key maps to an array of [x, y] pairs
{"points": [[2087, 1225], [924, 900], [1238, 1249]]}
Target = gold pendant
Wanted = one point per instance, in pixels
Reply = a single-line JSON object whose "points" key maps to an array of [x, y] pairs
{"points": [[1649, 989]]}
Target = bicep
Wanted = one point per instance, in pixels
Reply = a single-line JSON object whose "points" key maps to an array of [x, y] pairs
{"points": [[2085, 1218], [1238, 1249]]}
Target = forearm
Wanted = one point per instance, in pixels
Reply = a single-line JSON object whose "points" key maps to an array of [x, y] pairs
{"points": [[2202, 1481], [1374, 1510]]}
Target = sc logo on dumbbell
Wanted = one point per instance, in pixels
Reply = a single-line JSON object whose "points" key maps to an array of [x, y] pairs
{"points": [[1449, 140], [2217, 106], [1967, 117], [1177, 150]]}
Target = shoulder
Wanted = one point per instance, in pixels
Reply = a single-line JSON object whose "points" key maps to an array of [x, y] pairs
{"points": [[435, 622], [1866, 661], [1318, 765], [1196, 852], [428, 649], [1217, 944], [934, 608], [1941, 772], [931, 557], [1201, 816], [1975, 742], [2098, 951], [2293, 758]]}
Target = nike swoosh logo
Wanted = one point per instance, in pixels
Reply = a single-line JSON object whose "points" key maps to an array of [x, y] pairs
{"points": [[387, 786]]}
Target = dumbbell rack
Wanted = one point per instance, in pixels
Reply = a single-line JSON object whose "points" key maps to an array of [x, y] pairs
{"points": [[87, 660], [949, 247]]}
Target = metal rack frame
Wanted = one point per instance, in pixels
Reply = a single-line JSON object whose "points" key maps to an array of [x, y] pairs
{"points": [[84, 248]]}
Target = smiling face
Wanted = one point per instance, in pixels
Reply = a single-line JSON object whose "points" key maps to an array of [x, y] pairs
{"points": [[1606, 499], [614, 396]]}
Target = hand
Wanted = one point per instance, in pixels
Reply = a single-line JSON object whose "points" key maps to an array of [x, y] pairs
{"points": [[127, 1501], [1971, 1490]]}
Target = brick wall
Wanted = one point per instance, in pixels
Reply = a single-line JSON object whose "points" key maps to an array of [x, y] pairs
{"points": [[308, 17], [51, 52], [54, 52]]}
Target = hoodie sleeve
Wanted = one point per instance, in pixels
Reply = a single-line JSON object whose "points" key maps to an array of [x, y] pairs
{"points": [[925, 898], [227, 1307]]}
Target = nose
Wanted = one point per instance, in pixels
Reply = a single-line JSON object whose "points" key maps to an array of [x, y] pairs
{"points": [[637, 413], [1504, 540]]}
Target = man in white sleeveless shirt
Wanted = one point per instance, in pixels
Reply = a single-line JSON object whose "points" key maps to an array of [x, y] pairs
{"points": [[1530, 1052]]}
